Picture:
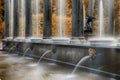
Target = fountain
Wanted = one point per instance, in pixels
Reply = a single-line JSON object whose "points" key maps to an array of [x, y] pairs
{"points": [[61, 37], [14, 46], [66, 53], [79, 63], [41, 57], [11, 50], [45, 52], [25, 52], [101, 39], [92, 54]]}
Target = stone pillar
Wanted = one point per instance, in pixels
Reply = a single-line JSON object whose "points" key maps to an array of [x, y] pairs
{"points": [[77, 19], [111, 29], [28, 32], [91, 7], [16, 19], [91, 10], [47, 19], [6, 32]]}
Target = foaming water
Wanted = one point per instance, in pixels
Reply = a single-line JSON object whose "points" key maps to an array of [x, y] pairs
{"points": [[112, 79], [13, 60], [81, 61], [43, 71], [52, 64], [62, 13], [70, 76], [62, 77], [20, 72], [33, 65], [6, 55], [28, 58]]}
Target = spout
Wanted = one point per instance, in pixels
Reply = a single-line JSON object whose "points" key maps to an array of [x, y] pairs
{"points": [[54, 49], [92, 53]]}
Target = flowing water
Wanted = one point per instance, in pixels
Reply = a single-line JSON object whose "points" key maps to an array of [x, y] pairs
{"points": [[61, 13], [84, 15], [44, 54], [11, 69], [101, 17], [80, 62], [41, 57], [11, 48], [25, 52]]}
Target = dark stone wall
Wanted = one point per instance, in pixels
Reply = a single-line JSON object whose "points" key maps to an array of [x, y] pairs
{"points": [[107, 58]]}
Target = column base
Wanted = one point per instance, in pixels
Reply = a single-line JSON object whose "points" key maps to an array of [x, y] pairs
{"points": [[8, 39], [47, 41], [62, 40], [80, 40], [20, 39], [34, 39], [103, 41]]}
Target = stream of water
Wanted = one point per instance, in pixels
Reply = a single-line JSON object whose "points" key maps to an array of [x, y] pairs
{"points": [[61, 13], [79, 63], [11, 69], [101, 19]]}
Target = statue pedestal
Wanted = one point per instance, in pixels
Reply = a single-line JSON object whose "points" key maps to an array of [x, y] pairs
{"points": [[38, 39], [103, 41], [20, 39], [61, 40], [80, 40], [8, 39]]}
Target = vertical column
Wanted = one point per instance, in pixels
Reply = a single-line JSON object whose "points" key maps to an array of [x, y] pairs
{"points": [[6, 32], [111, 29], [91, 10], [91, 7], [81, 13], [28, 32], [16, 19], [47, 19], [77, 17]]}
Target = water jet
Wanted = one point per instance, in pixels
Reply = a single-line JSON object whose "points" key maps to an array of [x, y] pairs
{"points": [[102, 39]]}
